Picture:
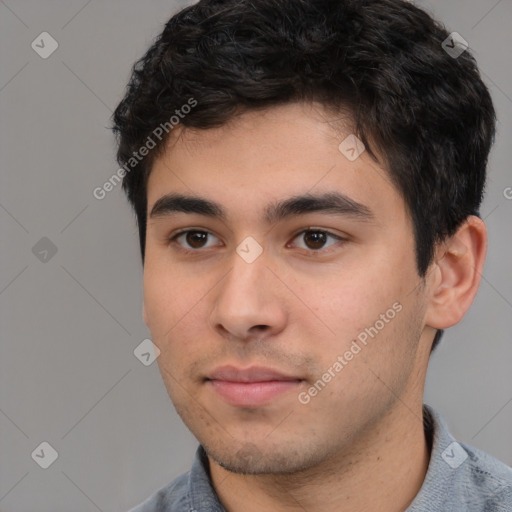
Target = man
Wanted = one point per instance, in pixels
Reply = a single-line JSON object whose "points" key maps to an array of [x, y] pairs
{"points": [[307, 176]]}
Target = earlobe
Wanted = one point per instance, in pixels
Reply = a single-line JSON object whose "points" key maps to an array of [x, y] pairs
{"points": [[458, 265], [144, 314]]}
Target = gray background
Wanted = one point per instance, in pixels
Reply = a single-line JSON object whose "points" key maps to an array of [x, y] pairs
{"points": [[69, 325]]}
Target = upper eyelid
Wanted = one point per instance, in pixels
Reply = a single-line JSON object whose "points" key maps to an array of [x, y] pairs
{"points": [[296, 232], [172, 237]]}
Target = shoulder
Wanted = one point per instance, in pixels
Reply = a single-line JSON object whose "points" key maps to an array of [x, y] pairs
{"points": [[171, 497], [190, 491], [460, 477], [488, 484]]}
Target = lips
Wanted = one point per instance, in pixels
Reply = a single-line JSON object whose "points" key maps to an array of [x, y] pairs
{"points": [[253, 374], [250, 387]]}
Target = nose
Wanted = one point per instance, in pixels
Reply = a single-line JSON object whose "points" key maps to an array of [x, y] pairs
{"points": [[250, 301]]}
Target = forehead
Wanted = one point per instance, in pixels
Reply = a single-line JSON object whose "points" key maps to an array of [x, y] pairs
{"points": [[264, 156]]}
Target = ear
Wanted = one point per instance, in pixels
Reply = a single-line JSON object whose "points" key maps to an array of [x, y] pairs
{"points": [[455, 275], [144, 314]]}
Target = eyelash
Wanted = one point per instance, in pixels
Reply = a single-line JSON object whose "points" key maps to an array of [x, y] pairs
{"points": [[173, 240]]}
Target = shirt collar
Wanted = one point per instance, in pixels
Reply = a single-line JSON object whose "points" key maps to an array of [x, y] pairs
{"points": [[201, 494]]}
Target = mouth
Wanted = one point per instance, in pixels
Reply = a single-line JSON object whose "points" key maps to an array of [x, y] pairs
{"points": [[250, 387]]}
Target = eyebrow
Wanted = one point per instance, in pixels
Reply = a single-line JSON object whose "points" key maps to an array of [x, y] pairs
{"points": [[329, 203]]}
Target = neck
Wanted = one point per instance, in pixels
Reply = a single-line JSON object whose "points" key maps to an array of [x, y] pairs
{"points": [[383, 470]]}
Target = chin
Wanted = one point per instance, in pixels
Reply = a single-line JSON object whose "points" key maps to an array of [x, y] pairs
{"points": [[250, 459]]}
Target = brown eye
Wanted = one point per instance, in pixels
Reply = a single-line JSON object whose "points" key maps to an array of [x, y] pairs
{"points": [[196, 239], [315, 240], [191, 239]]}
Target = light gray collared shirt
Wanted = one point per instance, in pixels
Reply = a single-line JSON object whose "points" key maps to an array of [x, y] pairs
{"points": [[459, 478]]}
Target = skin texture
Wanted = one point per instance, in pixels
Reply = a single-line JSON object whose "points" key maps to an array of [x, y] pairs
{"points": [[358, 444]]}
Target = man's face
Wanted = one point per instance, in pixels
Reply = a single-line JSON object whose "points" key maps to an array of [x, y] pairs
{"points": [[249, 342]]}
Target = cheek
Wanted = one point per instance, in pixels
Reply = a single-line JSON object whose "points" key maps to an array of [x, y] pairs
{"points": [[174, 304], [375, 313], [352, 301], [165, 298], [166, 284], [371, 364]]}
